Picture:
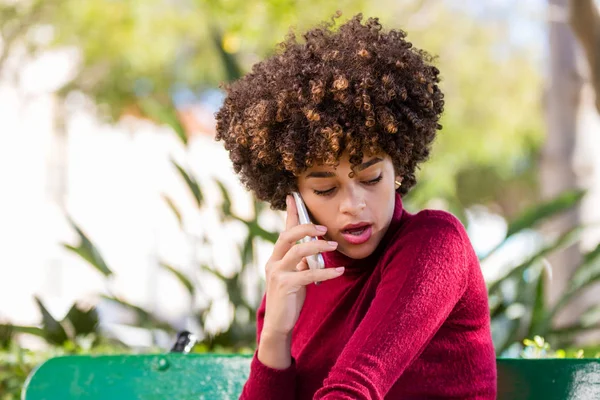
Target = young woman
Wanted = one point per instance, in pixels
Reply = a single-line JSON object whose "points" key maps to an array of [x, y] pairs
{"points": [[345, 119]]}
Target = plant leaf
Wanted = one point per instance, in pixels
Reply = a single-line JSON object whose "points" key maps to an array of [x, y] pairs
{"points": [[145, 318], [248, 251], [182, 278], [83, 321], [173, 208], [532, 216], [543, 211], [54, 332], [257, 230], [88, 251], [191, 183], [9, 329], [226, 205], [165, 114], [585, 275], [232, 68], [564, 240], [538, 312]]}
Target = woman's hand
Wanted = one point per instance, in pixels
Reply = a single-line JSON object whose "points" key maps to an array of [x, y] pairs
{"points": [[287, 273]]}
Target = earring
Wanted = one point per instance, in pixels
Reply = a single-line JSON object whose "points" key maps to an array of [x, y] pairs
{"points": [[398, 184]]}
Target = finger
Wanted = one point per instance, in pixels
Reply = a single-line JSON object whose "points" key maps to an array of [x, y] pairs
{"points": [[318, 275], [288, 238], [291, 211], [303, 265], [297, 252]]}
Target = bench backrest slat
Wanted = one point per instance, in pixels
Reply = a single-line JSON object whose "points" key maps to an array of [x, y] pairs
{"points": [[219, 376]]}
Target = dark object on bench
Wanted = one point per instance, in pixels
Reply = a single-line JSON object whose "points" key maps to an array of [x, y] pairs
{"points": [[184, 343]]}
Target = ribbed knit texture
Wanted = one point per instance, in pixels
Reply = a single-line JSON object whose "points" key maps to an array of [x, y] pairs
{"points": [[411, 321]]}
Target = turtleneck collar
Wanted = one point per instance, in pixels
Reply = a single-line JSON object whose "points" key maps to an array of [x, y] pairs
{"points": [[353, 265]]}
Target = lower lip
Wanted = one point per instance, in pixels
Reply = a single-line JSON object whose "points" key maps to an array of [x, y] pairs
{"points": [[358, 239]]}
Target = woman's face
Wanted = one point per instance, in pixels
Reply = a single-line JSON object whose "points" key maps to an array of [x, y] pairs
{"points": [[356, 209]]}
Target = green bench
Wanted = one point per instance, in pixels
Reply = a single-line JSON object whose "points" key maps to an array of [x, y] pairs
{"points": [[219, 376]]}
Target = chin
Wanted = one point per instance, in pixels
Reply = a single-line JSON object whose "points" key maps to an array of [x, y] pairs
{"points": [[359, 251]]}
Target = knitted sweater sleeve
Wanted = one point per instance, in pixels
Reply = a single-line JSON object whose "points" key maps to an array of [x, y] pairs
{"points": [[425, 276], [265, 382]]}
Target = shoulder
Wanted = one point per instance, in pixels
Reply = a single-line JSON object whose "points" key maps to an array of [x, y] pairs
{"points": [[431, 234], [441, 224]]}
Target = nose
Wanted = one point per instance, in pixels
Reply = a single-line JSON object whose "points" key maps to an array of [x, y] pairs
{"points": [[353, 202]]}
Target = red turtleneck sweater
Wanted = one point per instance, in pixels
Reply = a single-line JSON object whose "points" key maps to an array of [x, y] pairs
{"points": [[411, 321]]}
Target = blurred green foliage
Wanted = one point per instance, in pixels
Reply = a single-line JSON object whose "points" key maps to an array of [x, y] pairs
{"points": [[539, 348], [135, 56], [16, 363]]}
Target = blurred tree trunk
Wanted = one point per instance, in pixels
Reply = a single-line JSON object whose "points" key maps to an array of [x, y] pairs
{"points": [[566, 160], [585, 21], [557, 172]]}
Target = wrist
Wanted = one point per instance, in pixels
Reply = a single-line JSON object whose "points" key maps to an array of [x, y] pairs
{"points": [[273, 334], [274, 349]]}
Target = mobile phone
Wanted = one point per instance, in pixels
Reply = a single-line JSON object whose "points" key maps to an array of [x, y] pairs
{"points": [[315, 261]]}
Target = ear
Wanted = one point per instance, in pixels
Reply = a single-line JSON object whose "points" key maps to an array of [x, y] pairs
{"points": [[398, 182]]}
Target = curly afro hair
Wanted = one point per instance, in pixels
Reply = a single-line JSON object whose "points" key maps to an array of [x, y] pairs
{"points": [[356, 89]]}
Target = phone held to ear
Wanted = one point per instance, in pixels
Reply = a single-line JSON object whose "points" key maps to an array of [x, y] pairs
{"points": [[315, 261]]}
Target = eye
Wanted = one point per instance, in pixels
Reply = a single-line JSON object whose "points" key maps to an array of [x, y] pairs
{"points": [[374, 181], [323, 192]]}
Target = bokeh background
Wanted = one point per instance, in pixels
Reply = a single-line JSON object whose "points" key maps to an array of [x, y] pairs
{"points": [[122, 222]]}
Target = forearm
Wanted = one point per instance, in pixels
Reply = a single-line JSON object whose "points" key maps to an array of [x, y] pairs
{"points": [[274, 350]]}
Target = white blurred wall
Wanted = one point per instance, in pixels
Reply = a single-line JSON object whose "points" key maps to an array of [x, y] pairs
{"points": [[115, 176]]}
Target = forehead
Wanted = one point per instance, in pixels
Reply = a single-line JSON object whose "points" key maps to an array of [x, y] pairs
{"points": [[323, 171]]}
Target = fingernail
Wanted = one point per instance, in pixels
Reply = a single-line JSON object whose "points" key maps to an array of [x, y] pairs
{"points": [[332, 244], [321, 228], [339, 269]]}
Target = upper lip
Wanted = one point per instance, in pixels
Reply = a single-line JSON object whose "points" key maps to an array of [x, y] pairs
{"points": [[354, 226]]}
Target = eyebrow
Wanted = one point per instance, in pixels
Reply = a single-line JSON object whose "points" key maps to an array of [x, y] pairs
{"points": [[328, 174]]}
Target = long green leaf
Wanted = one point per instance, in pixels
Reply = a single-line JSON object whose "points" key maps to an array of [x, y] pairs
{"points": [[7, 330], [257, 231], [247, 251], [173, 208], [543, 211], [214, 272], [88, 251], [589, 320], [586, 274], [145, 318], [232, 68], [526, 296], [165, 114], [592, 256], [589, 267], [226, 205], [54, 332], [571, 292], [538, 312], [191, 183], [564, 240], [532, 216], [181, 277]]}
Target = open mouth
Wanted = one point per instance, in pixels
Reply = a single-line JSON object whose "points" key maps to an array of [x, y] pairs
{"points": [[356, 231], [358, 234]]}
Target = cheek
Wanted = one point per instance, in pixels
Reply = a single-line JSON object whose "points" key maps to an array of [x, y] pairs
{"points": [[382, 204], [323, 215]]}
